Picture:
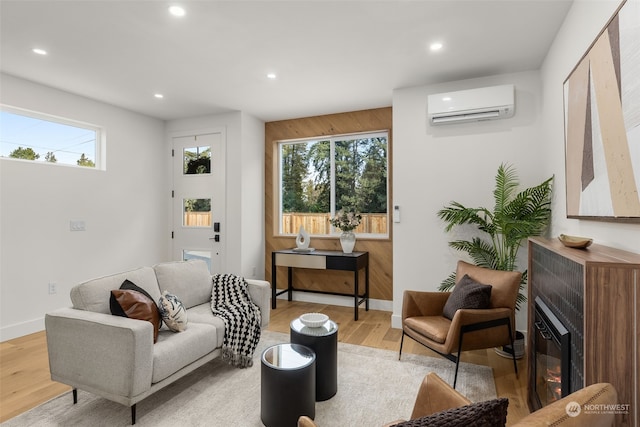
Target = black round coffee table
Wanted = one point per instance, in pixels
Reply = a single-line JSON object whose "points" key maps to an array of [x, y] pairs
{"points": [[288, 385], [324, 342]]}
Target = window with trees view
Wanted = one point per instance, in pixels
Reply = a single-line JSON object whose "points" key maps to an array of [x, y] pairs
{"points": [[43, 138], [321, 177]]}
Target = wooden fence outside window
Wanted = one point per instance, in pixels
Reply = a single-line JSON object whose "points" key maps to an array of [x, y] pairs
{"points": [[318, 223], [197, 219]]}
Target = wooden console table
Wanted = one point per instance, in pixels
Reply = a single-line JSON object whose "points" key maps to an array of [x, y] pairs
{"points": [[321, 260]]}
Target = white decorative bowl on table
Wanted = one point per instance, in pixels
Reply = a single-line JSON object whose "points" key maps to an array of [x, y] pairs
{"points": [[314, 320]]}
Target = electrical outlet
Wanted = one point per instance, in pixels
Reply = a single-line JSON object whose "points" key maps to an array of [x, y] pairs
{"points": [[53, 288], [253, 271], [77, 225]]}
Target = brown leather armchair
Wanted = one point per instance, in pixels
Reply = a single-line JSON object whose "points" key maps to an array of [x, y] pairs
{"points": [[470, 329], [435, 396]]}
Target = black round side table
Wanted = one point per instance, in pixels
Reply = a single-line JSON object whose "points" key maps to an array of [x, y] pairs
{"points": [[324, 342], [288, 385]]}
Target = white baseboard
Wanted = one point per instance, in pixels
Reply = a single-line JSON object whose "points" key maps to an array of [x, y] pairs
{"points": [[396, 321], [21, 329], [344, 301]]}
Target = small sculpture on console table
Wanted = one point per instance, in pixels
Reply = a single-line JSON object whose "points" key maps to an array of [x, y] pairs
{"points": [[302, 241]]}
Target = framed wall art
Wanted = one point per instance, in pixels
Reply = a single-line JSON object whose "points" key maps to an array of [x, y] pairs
{"points": [[602, 123]]}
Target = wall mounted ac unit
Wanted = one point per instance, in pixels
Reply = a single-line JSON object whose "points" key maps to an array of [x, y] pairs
{"points": [[487, 103]]}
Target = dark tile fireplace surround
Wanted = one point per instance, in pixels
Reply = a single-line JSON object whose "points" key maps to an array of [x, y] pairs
{"points": [[558, 287], [592, 298]]}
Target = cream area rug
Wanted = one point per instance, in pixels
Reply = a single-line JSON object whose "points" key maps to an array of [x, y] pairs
{"points": [[373, 388]]}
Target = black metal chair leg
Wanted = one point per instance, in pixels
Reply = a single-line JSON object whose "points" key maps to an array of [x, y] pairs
{"points": [[133, 414], [455, 377], [513, 349], [401, 342], [75, 395]]}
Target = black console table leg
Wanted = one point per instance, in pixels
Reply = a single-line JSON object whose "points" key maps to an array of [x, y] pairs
{"points": [[366, 287], [355, 295], [274, 275]]}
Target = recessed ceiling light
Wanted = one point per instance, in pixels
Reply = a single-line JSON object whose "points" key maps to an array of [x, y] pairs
{"points": [[435, 46], [446, 98], [39, 51], [177, 11], [159, 95], [271, 76]]}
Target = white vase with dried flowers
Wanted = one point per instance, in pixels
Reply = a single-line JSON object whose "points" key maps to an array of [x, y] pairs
{"points": [[346, 222]]}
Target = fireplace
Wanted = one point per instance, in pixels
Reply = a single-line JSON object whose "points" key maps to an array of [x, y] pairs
{"points": [[552, 354]]}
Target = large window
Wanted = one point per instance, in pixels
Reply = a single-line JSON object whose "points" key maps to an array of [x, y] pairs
{"points": [[322, 176], [38, 137]]}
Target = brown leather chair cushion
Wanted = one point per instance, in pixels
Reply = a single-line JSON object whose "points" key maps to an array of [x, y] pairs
{"points": [[136, 305], [435, 328]]}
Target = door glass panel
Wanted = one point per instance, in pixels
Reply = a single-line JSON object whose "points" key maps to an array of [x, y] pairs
{"points": [[197, 160], [188, 254], [197, 212]]}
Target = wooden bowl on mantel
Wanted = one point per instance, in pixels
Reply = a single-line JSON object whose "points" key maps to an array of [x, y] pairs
{"points": [[575, 241]]}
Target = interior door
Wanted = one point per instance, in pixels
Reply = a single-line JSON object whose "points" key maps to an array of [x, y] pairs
{"points": [[198, 198]]}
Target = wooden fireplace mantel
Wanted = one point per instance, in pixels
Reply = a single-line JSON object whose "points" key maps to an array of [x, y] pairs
{"points": [[597, 291]]}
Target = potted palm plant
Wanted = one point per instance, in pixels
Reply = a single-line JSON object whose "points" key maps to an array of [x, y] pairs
{"points": [[515, 217]]}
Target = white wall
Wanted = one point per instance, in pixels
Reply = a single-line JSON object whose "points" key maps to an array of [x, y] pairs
{"points": [[583, 23], [242, 232], [123, 208], [250, 165], [434, 165]]}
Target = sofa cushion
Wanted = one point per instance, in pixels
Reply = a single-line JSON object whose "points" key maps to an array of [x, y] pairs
{"points": [[202, 314], [135, 305], [93, 295], [467, 294], [190, 280], [491, 413], [172, 312], [174, 351]]}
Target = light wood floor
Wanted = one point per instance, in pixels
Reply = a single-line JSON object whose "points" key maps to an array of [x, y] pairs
{"points": [[24, 365]]}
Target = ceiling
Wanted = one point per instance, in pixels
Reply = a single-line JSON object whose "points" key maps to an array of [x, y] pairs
{"points": [[329, 56]]}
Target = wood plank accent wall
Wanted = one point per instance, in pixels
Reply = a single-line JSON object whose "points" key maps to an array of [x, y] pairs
{"points": [[380, 251], [610, 285]]}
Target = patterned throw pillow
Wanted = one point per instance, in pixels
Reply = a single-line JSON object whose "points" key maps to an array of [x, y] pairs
{"points": [[173, 312], [467, 294]]}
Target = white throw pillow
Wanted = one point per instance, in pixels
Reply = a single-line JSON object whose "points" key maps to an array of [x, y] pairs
{"points": [[173, 312]]}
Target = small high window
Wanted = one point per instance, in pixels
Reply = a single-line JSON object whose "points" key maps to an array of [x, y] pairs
{"points": [[40, 137]]}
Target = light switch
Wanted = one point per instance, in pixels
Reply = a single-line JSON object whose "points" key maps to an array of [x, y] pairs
{"points": [[396, 213]]}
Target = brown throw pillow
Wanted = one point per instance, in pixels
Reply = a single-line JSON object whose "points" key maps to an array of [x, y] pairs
{"points": [[492, 413], [467, 294], [135, 304]]}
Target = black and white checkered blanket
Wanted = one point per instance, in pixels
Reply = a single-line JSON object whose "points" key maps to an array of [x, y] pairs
{"points": [[230, 301]]}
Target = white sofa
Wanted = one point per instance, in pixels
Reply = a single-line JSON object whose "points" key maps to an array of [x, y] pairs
{"points": [[115, 357]]}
